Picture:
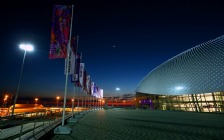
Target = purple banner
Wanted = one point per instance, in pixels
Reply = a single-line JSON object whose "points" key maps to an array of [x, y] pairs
{"points": [[60, 31]]}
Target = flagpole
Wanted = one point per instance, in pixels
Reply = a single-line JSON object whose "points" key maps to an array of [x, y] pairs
{"points": [[74, 75], [75, 70], [64, 129], [66, 78], [78, 99], [84, 99], [73, 100]]}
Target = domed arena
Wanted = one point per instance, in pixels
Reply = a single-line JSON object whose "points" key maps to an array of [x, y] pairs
{"points": [[191, 81]]}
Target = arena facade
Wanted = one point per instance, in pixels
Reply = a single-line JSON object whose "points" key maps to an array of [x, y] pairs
{"points": [[190, 81]]}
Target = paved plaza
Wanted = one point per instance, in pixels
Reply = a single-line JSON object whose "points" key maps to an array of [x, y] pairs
{"points": [[124, 124]]}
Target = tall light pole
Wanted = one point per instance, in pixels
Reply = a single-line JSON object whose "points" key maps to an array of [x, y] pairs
{"points": [[25, 47], [116, 101], [72, 106], [5, 100], [103, 103], [36, 99], [57, 100], [117, 89]]}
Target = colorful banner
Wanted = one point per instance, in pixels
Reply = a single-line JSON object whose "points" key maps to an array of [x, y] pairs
{"points": [[76, 74], [92, 88], [88, 84], [84, 82], [81, 73], [71, 63], [95, 91], [60, 31], [101, 93], [74, 45]]}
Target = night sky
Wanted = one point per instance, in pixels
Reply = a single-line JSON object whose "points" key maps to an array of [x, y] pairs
{"points": [[121, 41]]}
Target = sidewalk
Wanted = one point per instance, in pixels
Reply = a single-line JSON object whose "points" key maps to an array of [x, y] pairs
{"points": [[121, 124]]}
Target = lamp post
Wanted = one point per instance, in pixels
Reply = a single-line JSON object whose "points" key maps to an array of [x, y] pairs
{"points": [[5, 100], [57, 100], [116, 101], [25, 47], [134, 104], [100, 103], [103, 103], [117, 89], [124, 102], [72, 106], [36, 99]]}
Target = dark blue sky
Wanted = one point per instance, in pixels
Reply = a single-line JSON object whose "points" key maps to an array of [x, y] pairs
{"points": [[145, 33]]}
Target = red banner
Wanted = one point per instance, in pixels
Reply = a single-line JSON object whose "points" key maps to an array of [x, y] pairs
{"points": [[60, 31]]}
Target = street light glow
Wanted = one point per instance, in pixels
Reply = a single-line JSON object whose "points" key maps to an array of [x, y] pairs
{"points": [[58, 97], [117, 88], [36, 99], [179, 88], [57, 100], [26, 47]]}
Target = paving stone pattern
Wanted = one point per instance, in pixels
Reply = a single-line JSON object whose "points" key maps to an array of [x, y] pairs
{"points": [[123, 124]]}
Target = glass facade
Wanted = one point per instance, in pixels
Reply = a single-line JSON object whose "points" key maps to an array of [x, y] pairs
{"points": [[204, 102]]}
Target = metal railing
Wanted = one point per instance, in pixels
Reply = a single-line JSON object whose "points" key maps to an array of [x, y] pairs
{"points": [[23, 128]]}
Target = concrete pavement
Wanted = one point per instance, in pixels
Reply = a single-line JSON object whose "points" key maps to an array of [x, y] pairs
{"points": [[123, 124]]}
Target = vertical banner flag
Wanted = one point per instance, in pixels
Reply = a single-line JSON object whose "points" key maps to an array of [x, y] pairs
{"points": [[88, 84], [92, 88], [74, 45], [84, 81], [74, 49], [60, 31], [81, 73], [95, 90], [76, 74], [101, 93], [70, 61]]}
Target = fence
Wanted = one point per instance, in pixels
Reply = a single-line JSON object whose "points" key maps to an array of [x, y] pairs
{"points": [[21, 127]]}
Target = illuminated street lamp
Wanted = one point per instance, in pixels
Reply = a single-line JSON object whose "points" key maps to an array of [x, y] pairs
{"points": [[124, 101], [116, 101], [25, 47], [36, 99], [57, 100], [117, 89], [5, 100], [73, 106], [6, 97], [103, 103], [134, 102]]}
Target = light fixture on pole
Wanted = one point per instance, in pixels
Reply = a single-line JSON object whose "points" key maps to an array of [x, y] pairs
{"points": [[36, 99], [25, 47], [103, 103], [57, 100], [5, 99], [117, 89]]}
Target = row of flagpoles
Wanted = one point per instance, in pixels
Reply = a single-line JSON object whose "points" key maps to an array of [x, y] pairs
{"points": [[63, 45]]}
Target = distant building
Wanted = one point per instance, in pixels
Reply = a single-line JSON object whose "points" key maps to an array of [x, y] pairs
{"points": [[126, 100], [190, 81], [32, 109]]}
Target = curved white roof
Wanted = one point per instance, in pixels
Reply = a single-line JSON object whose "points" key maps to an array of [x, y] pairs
{"points": [[197, 70]]}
